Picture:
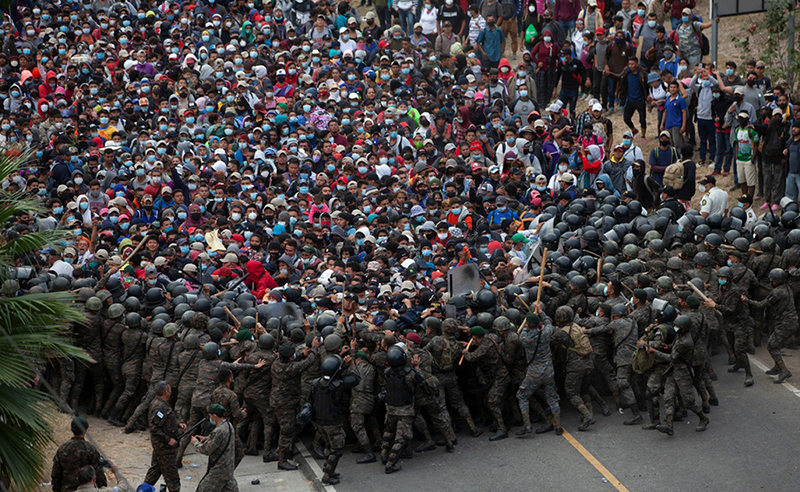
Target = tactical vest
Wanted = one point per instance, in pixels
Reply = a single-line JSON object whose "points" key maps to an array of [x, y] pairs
{"points": [[583, 346], [398, 392], [327, 411]]}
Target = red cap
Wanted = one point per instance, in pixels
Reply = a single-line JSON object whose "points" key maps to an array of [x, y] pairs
{"points": [[475, 146], [599, 30], [413, 337], [237, 237]]}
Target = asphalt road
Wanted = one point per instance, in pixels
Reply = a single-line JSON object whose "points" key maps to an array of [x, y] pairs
{"points": [[751, 444]]}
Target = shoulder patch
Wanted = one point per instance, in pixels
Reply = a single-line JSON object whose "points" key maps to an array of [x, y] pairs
{"points": [[703, 202], [160, 415]]}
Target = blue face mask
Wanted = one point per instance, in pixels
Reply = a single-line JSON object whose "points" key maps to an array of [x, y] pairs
{"points": [[626, 142], [685, 18], [58, 210], [303, 190], [722, 281], [729, 72], [124, 226], [184, 250]]}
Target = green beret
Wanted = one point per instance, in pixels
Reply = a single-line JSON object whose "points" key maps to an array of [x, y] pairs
{"points": [[79, 426], [216, 409], [532, 319], [286, 350], [478, 331], [640, 294], [244, 335], [297, 335], [693, 301], [362, 354]]}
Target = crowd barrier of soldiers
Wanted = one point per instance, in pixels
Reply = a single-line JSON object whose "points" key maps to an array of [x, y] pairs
{"points": [[614, 311]]}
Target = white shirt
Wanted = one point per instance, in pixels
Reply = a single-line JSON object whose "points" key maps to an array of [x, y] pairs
{"points": [[61, 267], [715, 201], [428, 19]]}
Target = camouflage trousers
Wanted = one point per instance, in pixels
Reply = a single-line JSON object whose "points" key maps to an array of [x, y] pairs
{"points": [[287, 422], [451, 393], [679, 383], [360, 422], [397, 433], [777, 340], [83, 369], [164, 461], [333, 436], [533, 384], [437, 414], [624, 374], [261, 414]]}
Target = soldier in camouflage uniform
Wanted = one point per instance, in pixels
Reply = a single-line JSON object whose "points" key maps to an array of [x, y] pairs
{"points": [[488, 356], [188, 363], [402, 384], [578, 363], [596, 328], [219, 446], [225, 396], [112, 354], [362, 405], [699, 332], [446, 351], [71, 456], [736, 320], [429, 401], [514, 358], [678, 377], [761, 265], [88, 336], [165, 430], [780, 304], [207, 381], [285, 397], [539, 374], [258, 386], [163, 355], [657, 337], [132, 357], [327, 397]]}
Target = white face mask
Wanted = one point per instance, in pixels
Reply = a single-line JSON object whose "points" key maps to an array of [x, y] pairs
{"points": [[702, 188], [562, 168], [442, 235]]}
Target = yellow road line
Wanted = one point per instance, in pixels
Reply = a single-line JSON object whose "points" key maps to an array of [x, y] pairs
{"points": [[591, 459]]}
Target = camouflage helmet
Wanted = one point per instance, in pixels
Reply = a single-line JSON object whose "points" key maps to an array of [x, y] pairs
{"points": [[332, 343], [501, 323], [84, 294], [116, 310], [191, 342], [664, 283], [564, 315], [94, 304], [170, 330]]}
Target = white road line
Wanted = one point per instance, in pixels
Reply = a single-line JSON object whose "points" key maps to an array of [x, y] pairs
{"points": [[312, 463], [764, 368]]}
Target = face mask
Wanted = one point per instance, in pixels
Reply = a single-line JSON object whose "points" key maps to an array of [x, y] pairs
{"points": [[685, 19], [442, 235], [455, 211], [640, 12], [722, 281], [124, 226], [547, 39], [651, 24], [702, 188], [236, 217], [562, 168]]}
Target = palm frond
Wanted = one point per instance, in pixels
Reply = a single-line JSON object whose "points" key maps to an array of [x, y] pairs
{"points": [[26, 243], [24, 435]]}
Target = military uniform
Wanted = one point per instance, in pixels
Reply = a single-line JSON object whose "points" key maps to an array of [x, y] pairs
{"points": [[598, 331], [700, 360], [362, 405], [488, 356], [133, 355], [226, 397], [737, 324], [164, 426], [188, 364], [88, 336], [678, 378], [539, 373], [285, 399], [219, 446], [780, 304], [624, 331], [69, 458], [327, 402], [429, 401], [401, 387], [446, 351], [258, 385], [578, 368], [162, 355], [112, 353], [655, 337]]}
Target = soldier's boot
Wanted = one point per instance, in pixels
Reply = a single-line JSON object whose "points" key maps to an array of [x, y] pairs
{"points": [[750, 346], [269, 456], [712, 395], [595, 396], [283, 460], [550, 424], [703, 424], [556, 420], [501, 434], [636, 417], [711, 373], [526, 425], [318, 446], [652, 409], [784, 374], [748, 375], [666, 428], [385, 445], [114, 420], [333, 462], [427, 444], [473, 428], [587, 418], [368, 458], [774, 371]]}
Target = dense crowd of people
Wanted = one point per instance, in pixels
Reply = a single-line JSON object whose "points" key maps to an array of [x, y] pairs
{"points": [[400, 219]]}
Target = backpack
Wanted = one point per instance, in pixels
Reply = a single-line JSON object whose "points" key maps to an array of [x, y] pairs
{"points": [[673, 175], [702, 39], [449, 356], [582, 345], [773, 145], [641, 361]]}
